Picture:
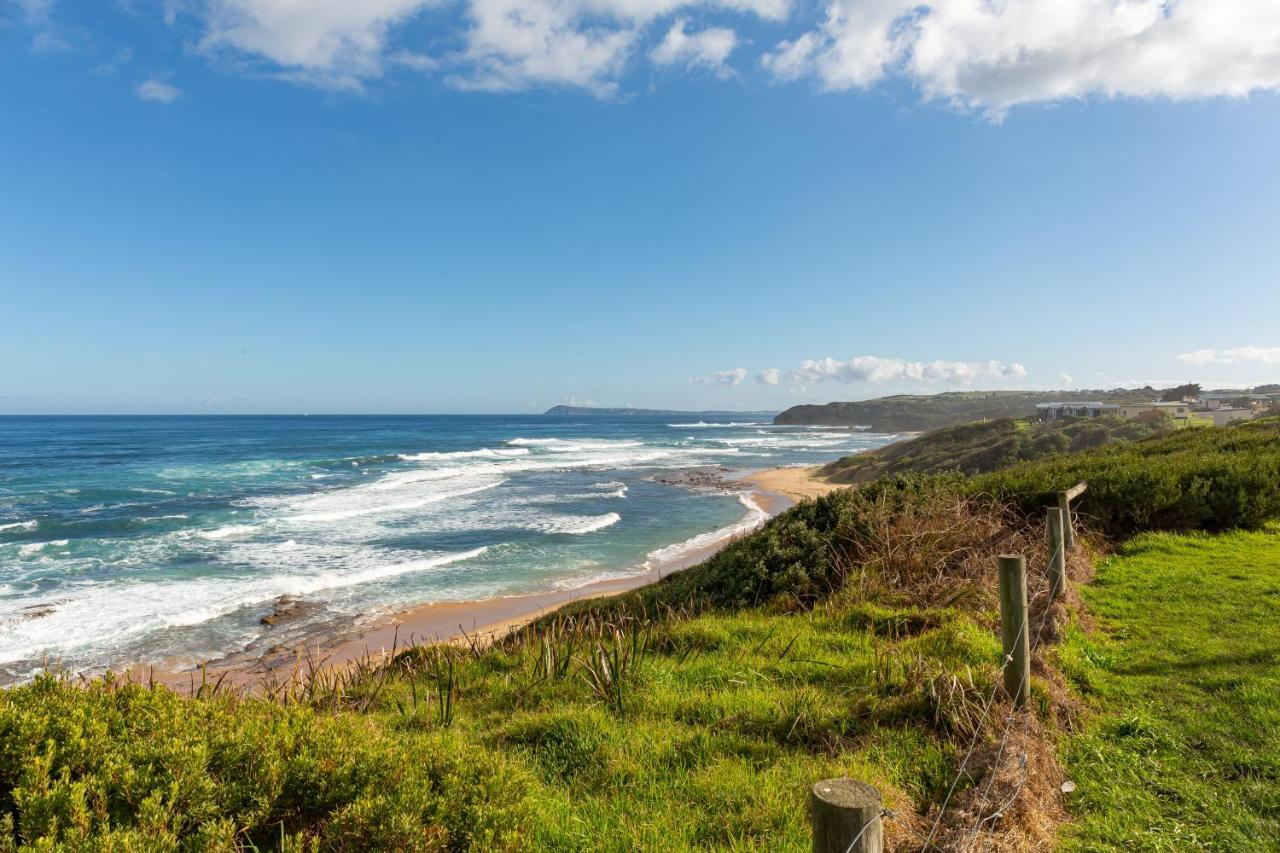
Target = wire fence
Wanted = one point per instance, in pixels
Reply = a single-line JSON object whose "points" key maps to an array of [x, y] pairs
{"points": [[985, 818]]}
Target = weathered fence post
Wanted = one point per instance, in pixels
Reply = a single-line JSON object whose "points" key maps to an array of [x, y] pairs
{"points": [[1068, 528], [846, 817], [1014, 628], [1057, 553], [1064, 504]]}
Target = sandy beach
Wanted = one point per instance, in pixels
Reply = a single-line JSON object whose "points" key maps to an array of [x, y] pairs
{"points": [[465, 621], [796, 483]]}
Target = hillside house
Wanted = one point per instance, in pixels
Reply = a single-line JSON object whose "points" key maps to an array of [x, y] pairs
{"points": [[1057, 411]]}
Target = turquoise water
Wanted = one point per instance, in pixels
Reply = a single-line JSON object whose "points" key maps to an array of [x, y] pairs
{"points": [[150, 539]]}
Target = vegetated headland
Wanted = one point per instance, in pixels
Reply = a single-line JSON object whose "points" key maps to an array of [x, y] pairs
{"points": [[856, 634], [921, 412]]}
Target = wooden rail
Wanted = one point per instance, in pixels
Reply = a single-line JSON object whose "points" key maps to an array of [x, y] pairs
{"points": [[1068, 521]]}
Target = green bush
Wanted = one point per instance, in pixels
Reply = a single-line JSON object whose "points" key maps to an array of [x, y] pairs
{"points": [[1196, 479], [111, 765], [977, 448]]}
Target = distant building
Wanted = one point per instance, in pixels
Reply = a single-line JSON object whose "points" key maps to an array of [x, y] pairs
{"points": [[1226, 416], [1056, 411], [1230, 400], [1137, 410]]}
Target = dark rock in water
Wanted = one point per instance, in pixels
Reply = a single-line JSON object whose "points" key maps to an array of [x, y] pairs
{"points": [[37, 611], [702, 479], [287, 608]]}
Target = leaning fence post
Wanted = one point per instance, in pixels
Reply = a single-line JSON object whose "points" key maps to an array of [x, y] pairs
{"points": [[846, 817], [1013, 628], [1057, 553], [1068, 528]]}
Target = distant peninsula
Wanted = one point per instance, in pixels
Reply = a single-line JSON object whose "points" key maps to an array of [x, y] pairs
{"points": [[561, 411], [923, 412]]}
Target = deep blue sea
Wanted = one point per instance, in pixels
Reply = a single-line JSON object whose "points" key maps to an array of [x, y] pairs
{"points": [[136, 539]]}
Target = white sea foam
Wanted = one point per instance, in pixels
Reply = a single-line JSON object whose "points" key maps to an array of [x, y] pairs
{"points": [[353, 503], [229, 531], [30, 524], [730, 425], [578, 525], [577, 445], [482, 453], [672, 553], [37, 547], [110, 615]]}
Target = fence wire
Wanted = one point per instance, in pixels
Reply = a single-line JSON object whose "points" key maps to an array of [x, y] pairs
{"points": [[992, 818]]}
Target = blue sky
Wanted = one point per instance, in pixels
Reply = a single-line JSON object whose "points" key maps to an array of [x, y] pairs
{"points": [[499, 205]]}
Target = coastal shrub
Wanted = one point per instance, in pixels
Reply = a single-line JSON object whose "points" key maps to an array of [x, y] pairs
{"points": [[916, 538], [1194, 479], [108, 764], [985, 446]]}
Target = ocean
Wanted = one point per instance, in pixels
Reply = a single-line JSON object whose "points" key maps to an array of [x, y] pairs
{"points": [[166, 539]]}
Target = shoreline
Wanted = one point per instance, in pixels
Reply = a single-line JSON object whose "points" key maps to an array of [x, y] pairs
{"points": [[796, 484], [480, 621]]}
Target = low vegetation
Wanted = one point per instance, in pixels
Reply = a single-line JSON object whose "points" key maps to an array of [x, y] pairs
{"points": [[977, 448], [1198, 479], [922, 412], [1185, 680], [853, 635]]}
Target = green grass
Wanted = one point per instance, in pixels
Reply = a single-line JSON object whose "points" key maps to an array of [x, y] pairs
{"points": [[724, 722], [1184, 753]]}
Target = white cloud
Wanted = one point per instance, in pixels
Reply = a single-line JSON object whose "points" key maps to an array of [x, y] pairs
{"points": [[992, 56], [517, 44], [505, 45], [158, 91], [723, 377], [1065, 380], [707, 48], [769, 376], [1239, 355], [870, 368], [329, 43]]}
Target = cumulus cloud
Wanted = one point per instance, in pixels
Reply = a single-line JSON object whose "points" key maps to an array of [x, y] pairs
{"points": [[870, 368], [517, 44], [504, 45], [1065, 379], [769, 376], [1239, 355], [993, 56], [329, 43], [707, 48], [158, 91], [976, 54], [723, 377]]}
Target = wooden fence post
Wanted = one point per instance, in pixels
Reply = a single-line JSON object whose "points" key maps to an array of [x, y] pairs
{"points": [[1064, 504], [846, 817], [1014, 629], [1068, 527], [1057, 553]]}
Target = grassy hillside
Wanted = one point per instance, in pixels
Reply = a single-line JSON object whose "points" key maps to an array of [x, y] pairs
{"points": [[985, 446], [1194, 479], [853, 635], [922, 412], [1185, 681]]}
